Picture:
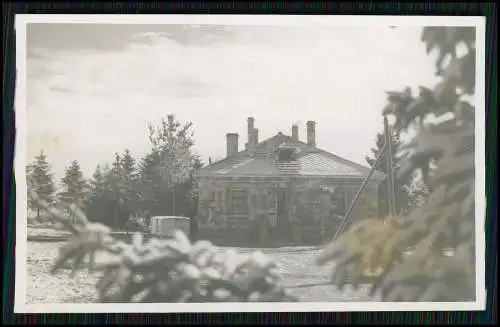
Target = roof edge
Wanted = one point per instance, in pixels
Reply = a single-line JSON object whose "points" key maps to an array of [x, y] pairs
{"points": [[245, 153], [377, 178]]}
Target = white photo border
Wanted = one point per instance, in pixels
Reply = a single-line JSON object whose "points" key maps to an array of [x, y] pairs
{"points": [[21, 20]]}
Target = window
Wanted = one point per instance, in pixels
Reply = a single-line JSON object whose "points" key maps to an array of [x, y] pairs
{"points": [[285, 154], [239, 201]]}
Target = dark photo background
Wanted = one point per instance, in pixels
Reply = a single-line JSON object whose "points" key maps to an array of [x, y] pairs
{"points": [[8, 136]]}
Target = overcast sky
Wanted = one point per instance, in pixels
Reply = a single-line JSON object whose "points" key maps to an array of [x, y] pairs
{"points": [[92, 89]]}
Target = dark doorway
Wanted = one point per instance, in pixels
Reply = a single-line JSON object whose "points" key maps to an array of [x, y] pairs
{"points": [[281, 208], [280, 229]]}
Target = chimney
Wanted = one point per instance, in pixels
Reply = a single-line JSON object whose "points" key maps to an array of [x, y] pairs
{"points": [[295, 133], [170, 119], [250, 124], [255, 136], [311, 133], [232, 144]]}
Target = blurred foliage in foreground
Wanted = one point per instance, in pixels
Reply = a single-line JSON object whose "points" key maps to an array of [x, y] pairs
{"points": [[443, 152], [160, 271], [177, 271]]}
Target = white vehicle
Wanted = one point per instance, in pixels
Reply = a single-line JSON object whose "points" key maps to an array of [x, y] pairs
{"points": [[164, 226]]}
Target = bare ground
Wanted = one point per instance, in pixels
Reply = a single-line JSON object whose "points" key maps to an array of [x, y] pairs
{"points": [[296, 265]]}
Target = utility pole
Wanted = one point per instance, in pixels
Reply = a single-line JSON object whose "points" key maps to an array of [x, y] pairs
{"points": [[386, 152], [390, 174], [347, 215]]}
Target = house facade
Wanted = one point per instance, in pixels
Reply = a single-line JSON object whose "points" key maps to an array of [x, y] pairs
{"points": [[277, 190]]}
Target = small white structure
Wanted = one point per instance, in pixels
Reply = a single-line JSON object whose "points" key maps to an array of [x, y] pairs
{"points": [[164, 226]]}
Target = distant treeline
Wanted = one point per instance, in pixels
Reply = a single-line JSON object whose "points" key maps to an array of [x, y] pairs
{"points": [[160, 183]]}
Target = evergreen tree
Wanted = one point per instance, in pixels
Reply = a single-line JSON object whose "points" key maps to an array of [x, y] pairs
{"points": [[115, 187], [74, 185], [443, 153], [40, 180], [152, 193], [401, 186], [100, 201], [129, 181], [418, 192], [97, 183]]}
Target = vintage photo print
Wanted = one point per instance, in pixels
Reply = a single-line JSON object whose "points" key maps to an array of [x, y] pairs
{"points": [[181, 163]]}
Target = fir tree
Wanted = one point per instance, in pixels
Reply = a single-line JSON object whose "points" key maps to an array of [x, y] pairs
{"points": [[401, 186], [443, 153], [74, 185], [100, 200], [129, 182], [40, 181], [115, 186]]}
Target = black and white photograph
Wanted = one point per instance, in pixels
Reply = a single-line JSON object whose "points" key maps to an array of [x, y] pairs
{"points": [[178, 163]]}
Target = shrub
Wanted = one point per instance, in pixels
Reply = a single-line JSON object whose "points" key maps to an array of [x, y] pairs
{"points": [[170, 270], [443, 151]]}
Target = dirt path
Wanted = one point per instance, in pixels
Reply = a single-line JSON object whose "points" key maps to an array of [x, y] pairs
{"points": [[296, 265]]}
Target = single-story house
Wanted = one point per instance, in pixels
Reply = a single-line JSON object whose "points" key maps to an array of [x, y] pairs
{"points": [[279, 189]]}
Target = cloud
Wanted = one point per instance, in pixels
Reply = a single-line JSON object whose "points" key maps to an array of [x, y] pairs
{"points": [[216, 77]]}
